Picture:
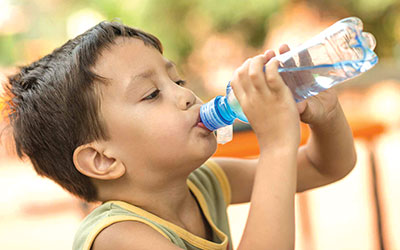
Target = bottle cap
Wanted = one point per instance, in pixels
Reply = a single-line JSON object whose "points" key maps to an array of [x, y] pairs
{"points": [[211, 116]]}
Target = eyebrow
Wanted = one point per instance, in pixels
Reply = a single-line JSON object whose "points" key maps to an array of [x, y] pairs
{"points": [[146, 75]]}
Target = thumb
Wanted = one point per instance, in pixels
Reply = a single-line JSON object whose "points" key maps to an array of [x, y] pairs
{"points": [[305, 111], [301, 106]]}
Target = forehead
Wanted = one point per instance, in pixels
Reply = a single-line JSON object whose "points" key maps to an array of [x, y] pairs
{"points": [[126, 57]]}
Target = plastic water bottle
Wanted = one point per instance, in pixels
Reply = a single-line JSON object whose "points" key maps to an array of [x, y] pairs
{"points": [[340, 52]]}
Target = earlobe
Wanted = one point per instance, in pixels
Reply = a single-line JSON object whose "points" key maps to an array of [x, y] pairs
{"points": [[91, 160]]}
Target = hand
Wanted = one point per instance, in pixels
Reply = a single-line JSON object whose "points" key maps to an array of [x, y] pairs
{"points": [[319, 109], [315, 110], [267, 102]]}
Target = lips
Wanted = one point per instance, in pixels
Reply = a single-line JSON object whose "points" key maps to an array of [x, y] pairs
{"points": [[200, 124]]}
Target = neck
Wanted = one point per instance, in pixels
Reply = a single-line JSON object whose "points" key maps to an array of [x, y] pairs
{"points": [[163, 195], [171, 202]]}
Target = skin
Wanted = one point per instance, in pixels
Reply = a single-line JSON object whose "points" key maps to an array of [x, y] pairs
{"points": [[282, 169], [155, 143]]}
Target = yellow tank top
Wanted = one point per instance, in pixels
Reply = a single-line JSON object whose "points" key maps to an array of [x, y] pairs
{"points": [[211, 188]]}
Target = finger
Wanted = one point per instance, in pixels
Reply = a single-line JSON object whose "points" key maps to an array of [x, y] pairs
{"points": [[301, 106], [239, 77], [269, 54], [256, 74], [274, 80], [283, 48], [305, 77], [243, 76], [292, 79]]}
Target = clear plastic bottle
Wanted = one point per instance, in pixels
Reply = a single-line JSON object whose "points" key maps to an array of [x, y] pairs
{"points": [[340, 52]]}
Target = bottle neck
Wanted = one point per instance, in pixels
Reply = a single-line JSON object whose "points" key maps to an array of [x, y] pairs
{"points": [[216, 113]]}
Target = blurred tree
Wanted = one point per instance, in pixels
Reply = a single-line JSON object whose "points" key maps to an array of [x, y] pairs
{"points": [[172, 21], [379, 18]]}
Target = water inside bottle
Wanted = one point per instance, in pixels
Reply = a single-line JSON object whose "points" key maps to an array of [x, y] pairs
{"points": [[341, 52], [308, 78], [235, 106], [328, 59], [309, 81]]}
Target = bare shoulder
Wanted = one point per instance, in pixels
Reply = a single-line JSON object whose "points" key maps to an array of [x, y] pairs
{"points": [[131, 235]]}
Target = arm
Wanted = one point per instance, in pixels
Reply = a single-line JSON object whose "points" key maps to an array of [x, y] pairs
{"points": [[328, 156], [271, 215], [272, 112], [272, 180]]}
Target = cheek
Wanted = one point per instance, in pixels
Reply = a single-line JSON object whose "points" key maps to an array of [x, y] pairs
{"points": [[165, 130], [165, 139], [147, 129]]}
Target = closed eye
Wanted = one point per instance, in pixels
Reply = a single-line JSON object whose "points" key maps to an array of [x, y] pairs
{"points": [[181, 82], [156, 92], [153, 95]]}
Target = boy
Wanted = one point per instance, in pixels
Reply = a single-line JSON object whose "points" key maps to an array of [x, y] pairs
{"points": [[108, 118]]}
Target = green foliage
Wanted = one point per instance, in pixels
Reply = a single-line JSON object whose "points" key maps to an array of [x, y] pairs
{"points": [[246, 17], [373, 7], [7, 50], [170, 20]]}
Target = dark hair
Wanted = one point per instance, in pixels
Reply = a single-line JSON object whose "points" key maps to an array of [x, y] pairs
{"points": [[53, 105]]}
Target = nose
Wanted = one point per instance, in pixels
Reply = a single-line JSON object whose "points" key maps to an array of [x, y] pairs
{"points": [[185, 98]]}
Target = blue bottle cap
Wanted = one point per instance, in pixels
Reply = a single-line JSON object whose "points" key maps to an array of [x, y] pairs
{"points": [[211, 116]]}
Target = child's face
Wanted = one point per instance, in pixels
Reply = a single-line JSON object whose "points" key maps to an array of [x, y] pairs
{"points": [[150, 118]]}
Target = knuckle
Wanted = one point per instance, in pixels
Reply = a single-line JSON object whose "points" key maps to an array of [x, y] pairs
{"points": [[253, 75], [233, 85], [235, 76], [272, 78], [241, 73]]}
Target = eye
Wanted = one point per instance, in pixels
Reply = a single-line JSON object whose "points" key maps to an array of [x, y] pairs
{"points": [[181, 82], [153, 95]]}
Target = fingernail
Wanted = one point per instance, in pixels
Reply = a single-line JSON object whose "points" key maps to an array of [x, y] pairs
{"points": [[266, 52]]}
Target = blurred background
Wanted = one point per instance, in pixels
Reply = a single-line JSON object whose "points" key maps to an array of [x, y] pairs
{"points": [[209, 40]]}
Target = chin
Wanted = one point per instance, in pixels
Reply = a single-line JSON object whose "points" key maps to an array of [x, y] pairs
{"points": [[209, 149]]}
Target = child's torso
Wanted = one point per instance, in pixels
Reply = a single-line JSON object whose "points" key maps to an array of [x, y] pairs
{"points": [[209, 230]]}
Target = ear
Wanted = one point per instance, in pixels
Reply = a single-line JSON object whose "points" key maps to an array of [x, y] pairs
{"points": [[91, 160]]}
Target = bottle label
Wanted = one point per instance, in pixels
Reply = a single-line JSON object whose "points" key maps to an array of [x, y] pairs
{"points": [[225, 134]]}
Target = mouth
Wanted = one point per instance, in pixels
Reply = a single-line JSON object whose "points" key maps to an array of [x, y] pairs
{"points": [[200, 124]]}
